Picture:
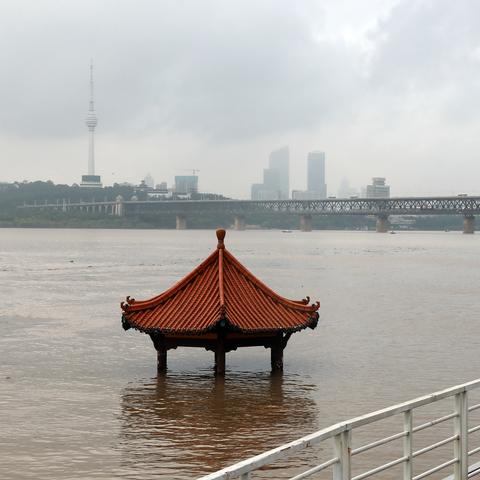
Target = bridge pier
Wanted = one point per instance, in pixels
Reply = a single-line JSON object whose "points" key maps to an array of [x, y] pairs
{"points": [[239, 222], [306, 222], [382, 223], [469, 224], [181, 222]]}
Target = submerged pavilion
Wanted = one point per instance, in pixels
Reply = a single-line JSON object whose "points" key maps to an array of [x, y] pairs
{"points": [[219, 306]]}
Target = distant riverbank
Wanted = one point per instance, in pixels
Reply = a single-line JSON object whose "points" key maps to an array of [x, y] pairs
{"points": [[263, 220]]}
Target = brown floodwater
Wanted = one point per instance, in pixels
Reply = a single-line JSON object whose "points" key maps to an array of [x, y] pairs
{"points": [[80, 398]]}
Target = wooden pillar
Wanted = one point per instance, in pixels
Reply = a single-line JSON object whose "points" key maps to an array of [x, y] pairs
{"points": [[276, 352], [220, 357], [161, 348], [161, 359]]}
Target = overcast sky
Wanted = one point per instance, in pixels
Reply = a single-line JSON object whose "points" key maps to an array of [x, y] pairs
{"points": [[385, 88]]}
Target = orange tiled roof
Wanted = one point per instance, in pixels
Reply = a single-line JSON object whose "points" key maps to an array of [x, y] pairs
{"points": [[220, 288]]}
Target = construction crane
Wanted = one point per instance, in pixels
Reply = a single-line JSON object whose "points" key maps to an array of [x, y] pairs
{"points": [[193, 170]]}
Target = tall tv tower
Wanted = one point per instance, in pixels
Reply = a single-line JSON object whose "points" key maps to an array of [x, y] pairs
{"points": [[91, 180]]}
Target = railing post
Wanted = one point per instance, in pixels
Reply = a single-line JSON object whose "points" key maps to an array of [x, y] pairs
{"points": [[461, 443], [407, 445], [343, 450]]}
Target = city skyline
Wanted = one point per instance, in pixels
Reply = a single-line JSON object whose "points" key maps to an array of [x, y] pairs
{"points": [[360, 90]]}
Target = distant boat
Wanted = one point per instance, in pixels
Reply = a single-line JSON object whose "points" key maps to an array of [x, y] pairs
{"points": [[393, 233], [286, 231]]}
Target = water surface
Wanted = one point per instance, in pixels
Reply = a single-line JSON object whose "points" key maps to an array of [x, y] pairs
{"points": [[80, 399]]}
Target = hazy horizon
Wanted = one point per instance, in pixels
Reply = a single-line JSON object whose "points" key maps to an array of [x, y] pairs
{"points": [[384, 88]]}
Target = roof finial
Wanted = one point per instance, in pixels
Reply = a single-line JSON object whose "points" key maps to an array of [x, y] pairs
{"points": [[220, 236]]}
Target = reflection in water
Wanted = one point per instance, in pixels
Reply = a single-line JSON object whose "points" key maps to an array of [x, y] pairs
{"points": [[185, 425]]}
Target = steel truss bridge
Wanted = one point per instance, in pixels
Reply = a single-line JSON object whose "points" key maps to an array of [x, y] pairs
{"points": [[351, 206], [382, 208]]}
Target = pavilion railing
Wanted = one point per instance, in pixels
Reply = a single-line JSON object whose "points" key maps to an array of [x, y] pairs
{"points": [[341, 434]]}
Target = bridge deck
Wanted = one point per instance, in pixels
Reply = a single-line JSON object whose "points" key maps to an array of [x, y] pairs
{"points": [[465, 205]]}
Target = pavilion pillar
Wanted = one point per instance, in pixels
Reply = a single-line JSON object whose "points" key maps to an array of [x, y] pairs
{"points": [[220, 357], [161, 348], [239, 222], [305, 222], [276, 352], [161, 359], [382, 223], [181, 222], [468, 224]]}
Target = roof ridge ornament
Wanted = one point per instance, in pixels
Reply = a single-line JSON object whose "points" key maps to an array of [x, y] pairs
{"points": [[220, 237]]}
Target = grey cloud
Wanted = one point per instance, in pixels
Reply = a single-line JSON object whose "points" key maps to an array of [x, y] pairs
{"points": [[426, 56], [213, 83], [225, 70]]}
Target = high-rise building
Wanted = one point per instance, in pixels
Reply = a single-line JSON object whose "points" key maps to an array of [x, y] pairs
{"points": [[345, 190], [279, 165], [259, 192], [276, 179], [91, 180], [378, 188], [149, 181], [186, 184], [316, 175], [316, 186], [271, 181]]}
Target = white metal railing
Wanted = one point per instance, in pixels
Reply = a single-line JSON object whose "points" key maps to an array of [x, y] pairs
{"points": [[341, 433]]}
